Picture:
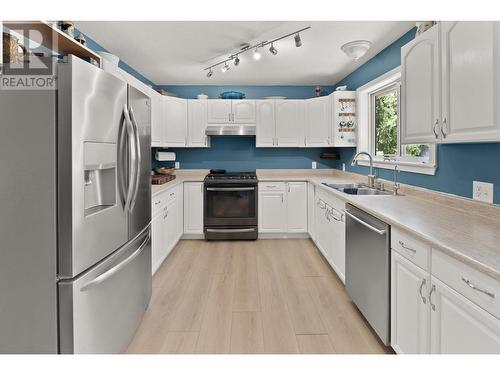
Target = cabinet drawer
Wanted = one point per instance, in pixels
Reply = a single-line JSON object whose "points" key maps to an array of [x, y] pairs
{"points": [[160, 200], [272, 186], [411, 248], [471, 283]]}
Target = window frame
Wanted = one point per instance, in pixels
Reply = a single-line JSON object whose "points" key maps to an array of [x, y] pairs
{"points": [[365, 97]]}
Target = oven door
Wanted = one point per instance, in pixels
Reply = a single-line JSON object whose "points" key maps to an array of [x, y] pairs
{"points": [[230, 204]]}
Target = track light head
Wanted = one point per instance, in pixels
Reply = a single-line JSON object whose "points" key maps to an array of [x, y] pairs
{"points": [[273, 50], [225, 68], [237, 61], [256, 54], [298, 42], [210, 73]]}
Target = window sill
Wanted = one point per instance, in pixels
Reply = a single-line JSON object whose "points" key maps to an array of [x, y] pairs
{"points": [[403, 166]]}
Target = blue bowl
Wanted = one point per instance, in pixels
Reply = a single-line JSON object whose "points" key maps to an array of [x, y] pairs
{"points": [[232, 95]]}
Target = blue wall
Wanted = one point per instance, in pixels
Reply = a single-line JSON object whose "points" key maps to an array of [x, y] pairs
{"points": [[458, 164], [240, 154], [251, 92]]}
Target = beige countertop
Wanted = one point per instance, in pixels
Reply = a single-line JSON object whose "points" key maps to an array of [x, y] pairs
{"points": [[188, 175], [466, 230]]}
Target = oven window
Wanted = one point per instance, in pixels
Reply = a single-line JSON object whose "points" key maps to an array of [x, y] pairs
{"points": [[230, 204]]}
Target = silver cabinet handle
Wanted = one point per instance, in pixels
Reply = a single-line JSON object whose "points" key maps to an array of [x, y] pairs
{"points": [[472, 286], [321, 204], [113, 270], [433, 289], [443, 128], [231, 189], [372, 228], [282, 198], [436, 124], [424, 300], [157, 203], [406, 247]]}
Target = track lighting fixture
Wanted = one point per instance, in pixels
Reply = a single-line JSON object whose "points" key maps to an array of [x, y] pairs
{"points": [[246, 47], [273, 50], [298, 42], [256, 54]]}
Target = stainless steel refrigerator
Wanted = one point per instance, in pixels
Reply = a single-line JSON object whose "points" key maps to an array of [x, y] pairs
{"points": [[75, 212]]}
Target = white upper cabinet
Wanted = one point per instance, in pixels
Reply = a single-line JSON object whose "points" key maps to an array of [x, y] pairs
{"points": [[451, 84], [420, 95], [156, 119], [223, 111], [197, 123], [219, 111], [265, 133], [289, 123], [297, 207], [243, 111], [470, 81], [175, 117], [318, 115], [410, 315]]}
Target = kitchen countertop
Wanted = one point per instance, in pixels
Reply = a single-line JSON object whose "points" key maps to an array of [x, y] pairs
{"points": [[470, 234], [188, 175]]}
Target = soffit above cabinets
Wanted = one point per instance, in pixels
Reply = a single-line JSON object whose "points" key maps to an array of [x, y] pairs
{"points": [[175, 53]]}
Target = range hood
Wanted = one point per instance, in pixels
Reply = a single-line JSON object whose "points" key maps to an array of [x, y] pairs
{"points": [[243, 130]]}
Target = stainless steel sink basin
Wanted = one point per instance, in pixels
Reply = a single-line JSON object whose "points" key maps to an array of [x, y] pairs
{"points": [[357, 189]]}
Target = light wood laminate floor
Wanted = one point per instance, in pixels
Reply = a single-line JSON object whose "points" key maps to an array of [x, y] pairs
{"points": [[265, 296]]}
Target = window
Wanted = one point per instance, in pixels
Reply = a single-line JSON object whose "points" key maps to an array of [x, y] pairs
{"points": [[379, 128]]}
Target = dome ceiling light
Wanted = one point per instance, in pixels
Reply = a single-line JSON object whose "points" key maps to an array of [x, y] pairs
{"points": [[356, 49]]}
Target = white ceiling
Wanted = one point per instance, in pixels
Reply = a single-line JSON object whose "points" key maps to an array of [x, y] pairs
{"points": [[175, 53]]}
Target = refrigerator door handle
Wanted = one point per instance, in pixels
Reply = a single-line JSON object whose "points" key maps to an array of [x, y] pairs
{"points": [[122, 162], [133, 162], [113, 270], [138, 158]]}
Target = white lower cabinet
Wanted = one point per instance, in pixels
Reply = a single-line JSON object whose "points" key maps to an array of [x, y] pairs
{"points": [[410, 315], [283, 207], [310, 211], [193, 208], [166, 226], [429, 316]]}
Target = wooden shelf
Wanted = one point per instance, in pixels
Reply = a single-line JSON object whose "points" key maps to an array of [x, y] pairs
{"points": [[63, 44]]}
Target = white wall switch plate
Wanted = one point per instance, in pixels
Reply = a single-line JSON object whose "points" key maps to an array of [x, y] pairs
{"points": [[177, 165], [482, 191], [343, 167], [313, 166]]}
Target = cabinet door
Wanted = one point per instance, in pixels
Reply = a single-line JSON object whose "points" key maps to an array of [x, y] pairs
{"points": [[321, 226], [265, 136], [197, 123], [171, 226], [410, 314], [318, 115], [193, 208], [310, 211], [272, 212], [158, 235], [471, 81], [296, 203], [335, 240], [243, 111], [458, 326], [156, 119], [289, 123], [175, 113], [420, 93], [218, 111]]}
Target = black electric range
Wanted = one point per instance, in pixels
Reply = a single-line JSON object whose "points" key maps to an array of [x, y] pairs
{"points": [[231, 202]]}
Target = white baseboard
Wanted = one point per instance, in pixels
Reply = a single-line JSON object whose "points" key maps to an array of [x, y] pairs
{"points": [[269, 236], [188, 236]]}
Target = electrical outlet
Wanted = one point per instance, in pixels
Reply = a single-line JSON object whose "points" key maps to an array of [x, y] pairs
{"points": [[343, 167], [177, 165], [313, 166], [482, 191]]}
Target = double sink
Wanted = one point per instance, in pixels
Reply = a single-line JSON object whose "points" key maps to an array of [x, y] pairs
{"points": [[357, 189]]}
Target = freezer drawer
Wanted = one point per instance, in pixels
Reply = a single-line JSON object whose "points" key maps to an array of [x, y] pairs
{"points": [[101, 309]]}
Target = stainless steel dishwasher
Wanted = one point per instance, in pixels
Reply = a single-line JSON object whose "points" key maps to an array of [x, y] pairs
{"points": [[368, 265]]}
